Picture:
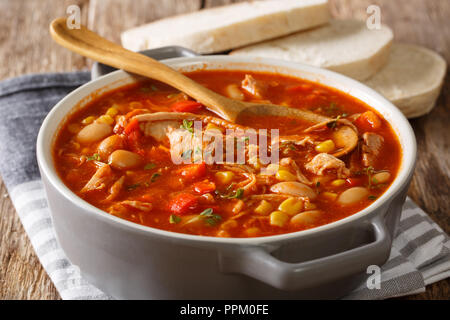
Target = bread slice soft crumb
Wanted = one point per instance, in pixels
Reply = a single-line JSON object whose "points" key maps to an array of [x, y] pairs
{"points": [[344, 46], [412, 79], [228, 27]]}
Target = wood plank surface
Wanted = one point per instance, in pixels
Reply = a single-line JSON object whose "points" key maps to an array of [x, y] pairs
{"points": [[26, 47]]}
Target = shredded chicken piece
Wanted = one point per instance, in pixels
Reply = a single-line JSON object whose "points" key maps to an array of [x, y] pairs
{"points": [[101, 179], [139, 205], [239, 205], [297, 140], [265, 179], [240, 214], [325, 161], [115, 189], [371, 147], [291, 163], [252, 86]]}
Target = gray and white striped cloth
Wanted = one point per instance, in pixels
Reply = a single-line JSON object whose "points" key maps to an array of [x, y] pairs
{"points": [[420, 254]]}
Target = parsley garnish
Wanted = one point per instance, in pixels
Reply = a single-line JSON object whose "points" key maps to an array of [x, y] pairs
{"points": [[174, 219], [371, 197], [149, 166], [209, 216], [187, 125], [133, 186], [333, 123], [95, 157], [155, 176], [235, 195]]}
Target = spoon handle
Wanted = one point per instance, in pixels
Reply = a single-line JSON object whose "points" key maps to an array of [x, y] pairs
{"points": [[91, 45]]}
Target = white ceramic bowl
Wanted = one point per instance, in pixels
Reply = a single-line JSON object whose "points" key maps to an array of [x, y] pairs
{"points": [[128, 260]]}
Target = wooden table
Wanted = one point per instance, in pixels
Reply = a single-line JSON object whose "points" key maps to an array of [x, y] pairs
{"points": [[26, 47]]}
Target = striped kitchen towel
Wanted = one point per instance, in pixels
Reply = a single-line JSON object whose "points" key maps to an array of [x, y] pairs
{"points": [[420, 254]]}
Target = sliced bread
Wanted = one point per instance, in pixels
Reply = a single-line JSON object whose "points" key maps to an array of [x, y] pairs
{"points": [[344, 46], [412, 79], [228, 27]]}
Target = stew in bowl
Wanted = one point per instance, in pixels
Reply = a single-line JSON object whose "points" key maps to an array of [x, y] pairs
{"points": [[126, 153]]}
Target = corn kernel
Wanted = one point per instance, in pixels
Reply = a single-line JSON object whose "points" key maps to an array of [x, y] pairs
{"points": [[284, 175], [73, 127], [326, 146], [291, 206], [224, 177], [264, 208], [112, 112], [106, 119], [88, 120], [329, 195], [278, 218], [338, 182], [252, 232], [212, 126]]}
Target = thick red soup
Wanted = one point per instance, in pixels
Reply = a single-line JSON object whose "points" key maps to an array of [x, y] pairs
{"points": [[117, 153]]}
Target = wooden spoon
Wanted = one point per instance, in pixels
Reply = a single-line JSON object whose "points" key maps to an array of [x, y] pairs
{"points": [[91, 45]]}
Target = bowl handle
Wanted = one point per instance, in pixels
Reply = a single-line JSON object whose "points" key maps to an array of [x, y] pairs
{"points": [[258, 263]]}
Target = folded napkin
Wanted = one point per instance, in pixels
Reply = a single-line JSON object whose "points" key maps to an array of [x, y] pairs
{"points": [[420, 254]]}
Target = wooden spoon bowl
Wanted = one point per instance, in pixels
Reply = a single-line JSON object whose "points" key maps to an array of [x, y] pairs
{"points": [[91, 45]]}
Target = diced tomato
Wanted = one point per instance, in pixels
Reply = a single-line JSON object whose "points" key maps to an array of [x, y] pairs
{"points": [[183, 203], [368, 121], [193, 171], [186, 106], [133, 125], [354, 182], [203, 187]]}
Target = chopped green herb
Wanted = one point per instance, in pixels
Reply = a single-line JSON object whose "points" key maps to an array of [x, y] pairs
{"points": [[187, 125], [333, 123], [172, 95], [133, 186], [209, 217], [371, 197], [155, 176], [149, 166], [207, 212], [153, 87], [236, 195], [94, 157], [174, 219]]}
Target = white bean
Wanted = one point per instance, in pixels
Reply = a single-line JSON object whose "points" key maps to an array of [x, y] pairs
{"points": [[306, 217], [381, 177], [352, 195], [110, 144], [123, 159], [233, 91], [94, 132], [294, 188]]}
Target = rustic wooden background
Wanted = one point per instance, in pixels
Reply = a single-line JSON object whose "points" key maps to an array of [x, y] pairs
{"points": [[26, 47]]}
